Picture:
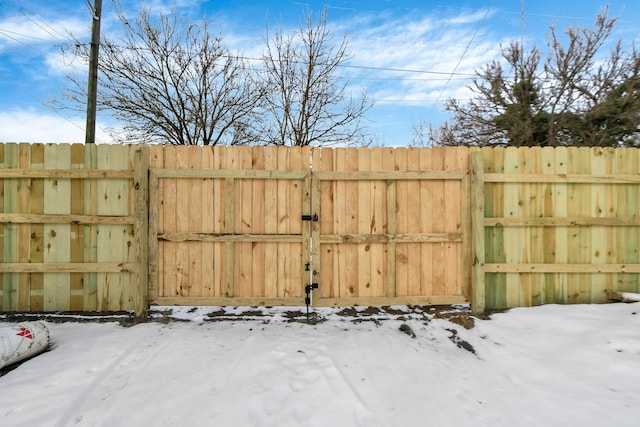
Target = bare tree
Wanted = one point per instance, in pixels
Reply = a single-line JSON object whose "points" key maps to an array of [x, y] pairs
{"points": [[305, 102], [172, 81], [574, 97]]}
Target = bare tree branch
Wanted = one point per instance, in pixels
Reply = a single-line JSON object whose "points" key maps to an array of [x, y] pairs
{"points": [[305, 104], [172, 81]]}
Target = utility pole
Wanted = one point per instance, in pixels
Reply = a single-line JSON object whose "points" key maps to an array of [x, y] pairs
{"points": [[92, 90]]}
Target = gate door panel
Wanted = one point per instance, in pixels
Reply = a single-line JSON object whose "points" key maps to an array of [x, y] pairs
{"points": [[391, 227], [228, 225]]}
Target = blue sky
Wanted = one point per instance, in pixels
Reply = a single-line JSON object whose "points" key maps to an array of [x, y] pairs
{"points": [[409, 56]]}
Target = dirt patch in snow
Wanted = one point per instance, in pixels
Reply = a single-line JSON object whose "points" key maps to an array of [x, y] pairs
{"points": [[459, 314]]}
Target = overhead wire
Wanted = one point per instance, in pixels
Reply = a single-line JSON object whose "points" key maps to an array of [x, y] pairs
{"points": [[7, 33], [465, 50]]}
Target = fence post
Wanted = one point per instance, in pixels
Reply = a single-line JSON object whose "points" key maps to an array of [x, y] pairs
{"points": [[476, 170], [141, 213]]}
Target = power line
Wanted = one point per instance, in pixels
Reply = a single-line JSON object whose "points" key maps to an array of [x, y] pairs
{"points": [[27, 36], [466, 49], [33, 17]]}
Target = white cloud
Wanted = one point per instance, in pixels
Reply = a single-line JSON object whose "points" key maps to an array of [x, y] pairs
{"points": [[20, 32], [422, 43], [32, 126], [469, 18]]}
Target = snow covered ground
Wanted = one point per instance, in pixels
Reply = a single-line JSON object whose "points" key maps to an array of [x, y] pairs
{"points": [[546, 366]]}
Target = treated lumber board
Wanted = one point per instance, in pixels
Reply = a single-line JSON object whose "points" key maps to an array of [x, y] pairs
{"points": [[513, 237], [465, 247], [376, 250], [219, 224], [238, 173], [599, 243], [182, 214], [229, 227], [340, 224], [562, 222], [283, 285], [426, 225], [208, 207], [167, 223], [582, 284], [398, 175], [386, 301], [57, 237], [477, 238], [298, 160], [36, 251], [153, 254], [392, 238], [535, 238], [438, 206], [195, 223], [391, 230], [307, 256], [364, 218], [453, 223], [141, 228], [316, 253], [561, 210], [547, 162], [90, 210], [324, 267], [67, 267], [270, 222], [156, 223], [114, 241], [350, 221], [76, 285], [33, 218], [65, 173], [403, 205], [242, 238], [11, 282], [244, 207], [258, 271], [561, 268], [495, 284], [414, 258], [24, 230], [568, 178], [628, 199], [222, 301]]}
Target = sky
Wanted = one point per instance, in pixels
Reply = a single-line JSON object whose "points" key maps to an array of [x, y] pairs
{"points": [[409, 56]]}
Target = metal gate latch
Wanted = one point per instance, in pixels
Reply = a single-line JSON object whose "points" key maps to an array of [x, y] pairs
{"points": [[313, 217]]}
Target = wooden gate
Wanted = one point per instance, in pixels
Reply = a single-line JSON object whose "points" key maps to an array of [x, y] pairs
{"points": [[226, 225], [392, 222], [254, 226]]}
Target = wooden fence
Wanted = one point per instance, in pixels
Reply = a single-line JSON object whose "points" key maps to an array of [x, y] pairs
{"points": [[82, 227], [561, 225], [73, 222]]}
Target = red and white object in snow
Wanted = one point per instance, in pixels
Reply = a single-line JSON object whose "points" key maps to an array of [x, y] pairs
{"points": [[19, 341]]}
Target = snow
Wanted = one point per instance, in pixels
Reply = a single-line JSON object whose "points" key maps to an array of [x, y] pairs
{"points": [[551, 365]]}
